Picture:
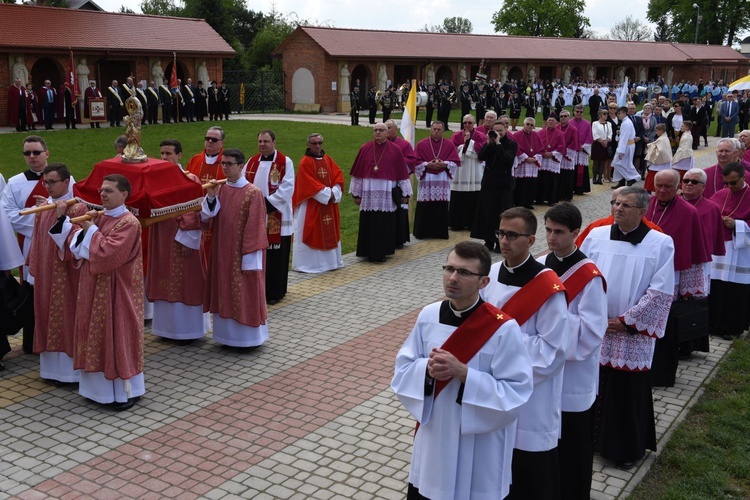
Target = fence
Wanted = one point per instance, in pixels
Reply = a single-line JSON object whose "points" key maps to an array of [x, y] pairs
{"points": [[256, 91]]}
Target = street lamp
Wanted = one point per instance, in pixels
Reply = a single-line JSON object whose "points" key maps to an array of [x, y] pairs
{"points": [[698, 20]]}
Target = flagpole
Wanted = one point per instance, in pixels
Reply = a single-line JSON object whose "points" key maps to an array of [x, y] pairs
{"points": [[174, 72]]}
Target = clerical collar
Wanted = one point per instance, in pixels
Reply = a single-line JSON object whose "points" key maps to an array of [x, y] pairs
{"points": [[310, 153], [460, 314], [33, 176], [565, 256], [211, 159], [68, 195], [635, 236], [513, 268], [664, 203], [239, 183], [268, 157], [450, 317], [115, 212]]}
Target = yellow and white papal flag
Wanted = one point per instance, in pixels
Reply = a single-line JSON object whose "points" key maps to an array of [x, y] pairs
{"points": [[409, 120]]}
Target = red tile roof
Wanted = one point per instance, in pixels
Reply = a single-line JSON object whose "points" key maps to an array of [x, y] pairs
{"points": [[358, 43], [92, 31]]}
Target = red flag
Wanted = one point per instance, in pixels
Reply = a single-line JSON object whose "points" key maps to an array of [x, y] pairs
{"points": [[173, 77], [71, 81]]}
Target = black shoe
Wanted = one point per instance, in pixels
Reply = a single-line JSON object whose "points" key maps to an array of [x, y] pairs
{"points": [[73, 127], [625, 465], [631, 182], [2, 367], [126, 405], [98, 126], [727, 337], [272, 302], [619, 184]]}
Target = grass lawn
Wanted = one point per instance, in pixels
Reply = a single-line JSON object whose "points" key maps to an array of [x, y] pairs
{"points": [[708, 456], [80, 150]]}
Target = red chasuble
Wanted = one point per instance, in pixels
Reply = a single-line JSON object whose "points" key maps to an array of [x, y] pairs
{"points": [[239, 229], [205, 172], [322, 223], [55, 286], [109, 316], [275, 176]]}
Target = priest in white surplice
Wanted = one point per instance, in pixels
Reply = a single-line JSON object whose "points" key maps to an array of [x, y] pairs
{"points": [[474, 355], [623, 161], [638, 264]]}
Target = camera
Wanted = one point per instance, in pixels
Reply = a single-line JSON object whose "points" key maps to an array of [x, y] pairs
{"points": [[492, 135]]}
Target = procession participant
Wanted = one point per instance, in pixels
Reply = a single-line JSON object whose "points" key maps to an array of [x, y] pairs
{"points": [[683, 160], [140, 94], [514, 109], [378, 169], [354, 102], [489, 120], [114, 104], [152, 104], [235, 292], [188, 97], [601, 133], [48, 99], [693, 191], [467, 180], [638, 264], [201, 102], [437, 162], [585, 140], [729, 315], [166, 99], [587, 321], [176, 271], [402, 210], [18, 195], [496, 195], [595, 103], [109, 313], [553, 140], [609, 220], [568, 160], [658, 156], [528, 160], [463, 450], [55, 278], [534, 296], [744, 138], [213, 101], [726, 151], [273, 173], [18, 106], [372, 105], [679, 220], [10, 258], [319, 185], [625, 171]]}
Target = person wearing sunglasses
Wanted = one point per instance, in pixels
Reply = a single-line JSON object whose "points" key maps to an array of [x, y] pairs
{"points": [[533, 295], [729, 313], [680, 220], [20, 194], [56, 281], [207, 164], [464, 374]]}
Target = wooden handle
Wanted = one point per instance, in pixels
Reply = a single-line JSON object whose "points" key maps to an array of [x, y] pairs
{"points": [[44, 208], [154, 220], [76, 220], [209, 184]]}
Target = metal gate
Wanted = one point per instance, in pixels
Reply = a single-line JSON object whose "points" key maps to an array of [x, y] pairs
{"points": [[256, 91]]}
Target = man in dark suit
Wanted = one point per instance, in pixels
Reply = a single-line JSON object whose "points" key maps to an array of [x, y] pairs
{"points": [[152, 103], [165, 96], [48, 96], [729, 116], [640, 136]]}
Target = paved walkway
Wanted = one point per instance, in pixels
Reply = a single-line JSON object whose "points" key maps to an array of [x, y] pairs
{"points": [[308, 415]]}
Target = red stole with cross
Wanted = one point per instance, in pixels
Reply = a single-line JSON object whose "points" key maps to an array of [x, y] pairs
{"points": [[322, 222], [533, 295], [275, 176], [577, 281]]}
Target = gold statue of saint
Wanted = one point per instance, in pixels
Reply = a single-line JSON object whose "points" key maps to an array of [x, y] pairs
{"points": [[133, 152]]}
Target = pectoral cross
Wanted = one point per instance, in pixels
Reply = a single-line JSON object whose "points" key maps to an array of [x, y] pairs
{"points": [[327, 220], [376, 168]]}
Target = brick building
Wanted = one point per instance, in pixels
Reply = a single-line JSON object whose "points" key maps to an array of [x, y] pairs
{"points": [[321, 65], [35, 44]]}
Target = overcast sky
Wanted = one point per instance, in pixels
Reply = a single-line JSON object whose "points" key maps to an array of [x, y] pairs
{"points": [[603, 14]]}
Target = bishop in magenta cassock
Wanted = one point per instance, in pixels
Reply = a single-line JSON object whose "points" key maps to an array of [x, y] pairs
{"points": [[235, 293], [553, 140], [729, 301], [109, 316], [319, 185], [437, 161], [529, 156], [379, 171]]}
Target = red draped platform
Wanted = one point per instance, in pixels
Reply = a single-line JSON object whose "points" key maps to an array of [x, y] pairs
{"points": [[158, 188]]}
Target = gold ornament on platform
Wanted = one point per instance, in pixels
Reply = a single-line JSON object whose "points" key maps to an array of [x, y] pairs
{"points": [[133, 152]]}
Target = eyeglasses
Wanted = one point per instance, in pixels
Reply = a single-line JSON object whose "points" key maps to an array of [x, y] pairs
{"points": [[318, 143], [228, 163], [212, 139], [462, 273], [34, 152], [691, 181], [511, 235], [732, 183], [50, 183]]}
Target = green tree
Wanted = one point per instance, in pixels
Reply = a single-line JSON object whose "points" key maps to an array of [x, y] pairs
{"points": [[630, 29], [161, 8], [126, 10], [554, 18], [722, 23], [275, 29], [457, 25]]}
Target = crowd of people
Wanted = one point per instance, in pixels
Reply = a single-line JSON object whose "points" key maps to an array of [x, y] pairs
{"points": [[96, 280], [185, 102]]}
